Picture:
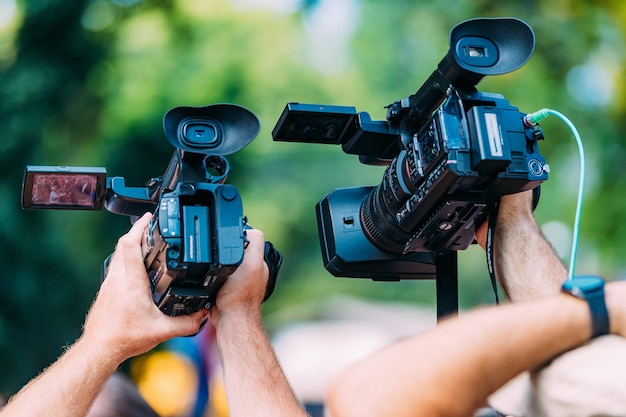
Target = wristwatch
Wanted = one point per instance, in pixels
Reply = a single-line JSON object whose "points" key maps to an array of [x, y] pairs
{"points": [[591, 289]]}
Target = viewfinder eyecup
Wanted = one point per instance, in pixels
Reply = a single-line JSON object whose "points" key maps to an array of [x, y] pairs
{"points": [[218, 129], [489, 46]]}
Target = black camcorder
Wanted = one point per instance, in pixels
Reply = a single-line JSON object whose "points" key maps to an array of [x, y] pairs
{"points": [[451, 152], [197, 234]]}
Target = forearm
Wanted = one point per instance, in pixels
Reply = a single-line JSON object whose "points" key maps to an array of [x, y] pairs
{"points": [[68, 387], [254, 381], [526, 264], [451, 370], [122, 322]]}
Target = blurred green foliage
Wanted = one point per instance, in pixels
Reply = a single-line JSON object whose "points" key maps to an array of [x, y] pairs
{"points": [[87, 83]]}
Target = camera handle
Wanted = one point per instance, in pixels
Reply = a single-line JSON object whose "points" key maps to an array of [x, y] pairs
{"points": [[129, 201]]}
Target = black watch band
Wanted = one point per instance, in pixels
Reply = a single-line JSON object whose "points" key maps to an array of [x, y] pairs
{"points": [[591, 289]]}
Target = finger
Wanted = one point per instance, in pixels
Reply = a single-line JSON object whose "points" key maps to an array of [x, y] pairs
{"points": [[128, 248], [131, 241], [481, 234], [136, 232], [134, 235], [188, 324], [255, 252], [256, 239]]}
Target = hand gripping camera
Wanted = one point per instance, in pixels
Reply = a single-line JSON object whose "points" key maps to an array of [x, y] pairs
{"points": [[450, 153], [197, 235]]}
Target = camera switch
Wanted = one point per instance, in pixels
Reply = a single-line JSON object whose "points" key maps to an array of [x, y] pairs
{"points": [[229, 193]]}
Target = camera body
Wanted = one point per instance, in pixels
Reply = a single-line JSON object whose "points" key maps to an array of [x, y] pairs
{"points": [[193, 243], [197, 234], [451, 152]]}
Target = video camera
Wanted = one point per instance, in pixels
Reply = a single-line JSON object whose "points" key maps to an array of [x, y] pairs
{"points": [[197, 234], [451, 152]]}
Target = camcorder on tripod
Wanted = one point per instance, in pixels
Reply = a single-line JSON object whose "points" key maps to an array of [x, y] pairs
{"points": [[451, 152], [197, 234]]}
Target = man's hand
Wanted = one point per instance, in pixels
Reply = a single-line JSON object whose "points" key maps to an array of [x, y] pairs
{"points": [[526, 264], [123, 319], [513, 208], [243, 291], [123, 322], [253, 379]]}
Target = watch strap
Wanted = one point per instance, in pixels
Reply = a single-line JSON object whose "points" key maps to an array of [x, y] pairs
{"points": [[591, 289], [599, 315]]}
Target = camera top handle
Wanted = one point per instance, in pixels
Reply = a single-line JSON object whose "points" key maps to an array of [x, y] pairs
{"points": [[201, 136], [183, 167], [478, 47]]}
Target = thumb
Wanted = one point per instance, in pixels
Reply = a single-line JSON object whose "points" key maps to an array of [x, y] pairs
{"points": [[188, 324]]}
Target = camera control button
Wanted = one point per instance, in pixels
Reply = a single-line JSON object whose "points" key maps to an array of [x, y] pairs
{"points": [[229, 193], [187, 189]]}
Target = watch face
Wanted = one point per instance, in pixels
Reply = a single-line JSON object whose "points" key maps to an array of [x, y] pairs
{"points": [[582, 285]]}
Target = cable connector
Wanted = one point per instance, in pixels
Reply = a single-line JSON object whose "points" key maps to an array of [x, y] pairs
{"points": [[533, 119]]}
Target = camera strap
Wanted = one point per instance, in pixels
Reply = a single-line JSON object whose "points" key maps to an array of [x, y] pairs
{"points": [[491, 232]]}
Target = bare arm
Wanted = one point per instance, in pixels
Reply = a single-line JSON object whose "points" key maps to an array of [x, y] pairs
{"points": [[526, 264], [67, 388], [254, 381], [451, 370], [123, 322]]}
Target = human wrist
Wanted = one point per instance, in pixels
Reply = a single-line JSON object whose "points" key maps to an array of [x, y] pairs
{"points": [[235, 317], [591, 289], [615, 296], [101, 357], [108, 344], [516, 210], [516, 216]]}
